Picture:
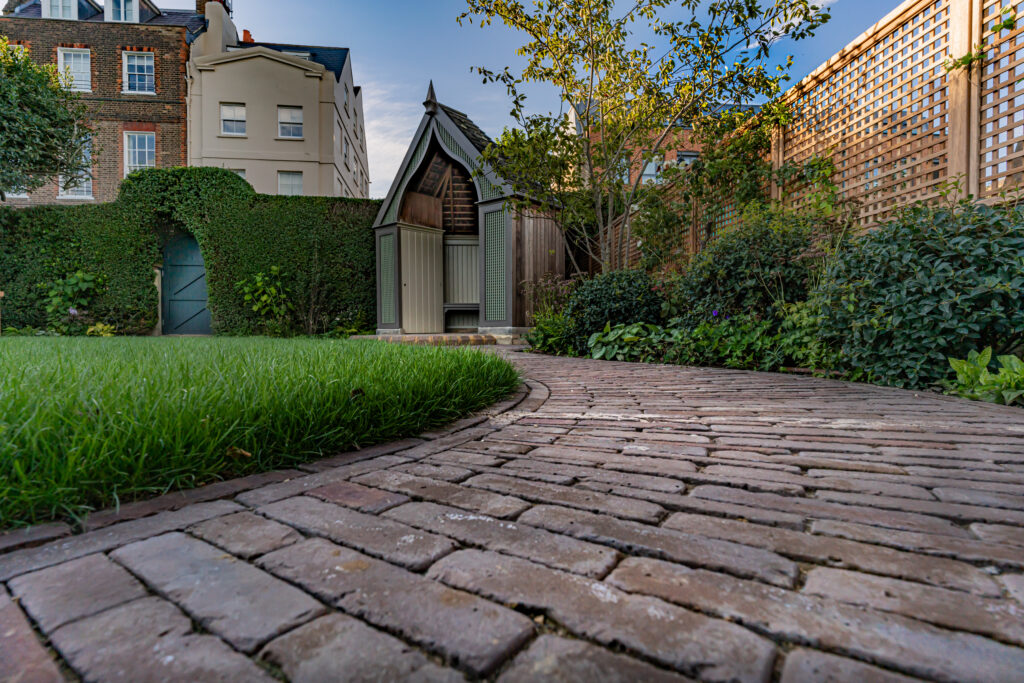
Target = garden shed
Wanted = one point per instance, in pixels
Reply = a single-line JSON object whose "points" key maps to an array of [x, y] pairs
{"points": [[451, 254]]}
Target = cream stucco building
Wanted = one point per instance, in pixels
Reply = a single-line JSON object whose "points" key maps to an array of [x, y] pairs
{"points": [[288, 118]]}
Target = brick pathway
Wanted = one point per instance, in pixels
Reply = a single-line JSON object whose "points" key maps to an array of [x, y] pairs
{"points": [[621, 522]]}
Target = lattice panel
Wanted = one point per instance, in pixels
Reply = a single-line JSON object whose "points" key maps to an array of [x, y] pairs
{"points": [[387, 279], [494, 265], [881, 113], [1002, 101]]}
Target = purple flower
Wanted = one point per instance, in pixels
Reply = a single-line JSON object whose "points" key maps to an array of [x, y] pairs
{"points": [[714, 313], [73, 312]]}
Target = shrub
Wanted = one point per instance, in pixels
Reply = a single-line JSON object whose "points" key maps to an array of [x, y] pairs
{"points": [[551, 333], [934, 283], [974, 381], [270, 299], [753, 269], [618, 297], [638, 342], [737, 342]]}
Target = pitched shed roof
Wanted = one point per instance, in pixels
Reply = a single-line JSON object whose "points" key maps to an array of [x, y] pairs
{"points": [[479, 138], [331, 58]]}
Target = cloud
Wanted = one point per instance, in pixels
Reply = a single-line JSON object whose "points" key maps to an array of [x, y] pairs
{"points": [[391, 113]]}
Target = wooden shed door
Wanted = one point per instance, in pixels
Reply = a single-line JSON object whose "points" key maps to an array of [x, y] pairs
{"points": [[184, 288]]}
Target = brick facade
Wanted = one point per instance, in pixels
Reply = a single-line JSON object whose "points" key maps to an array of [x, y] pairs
{"points": [[115, 112]]}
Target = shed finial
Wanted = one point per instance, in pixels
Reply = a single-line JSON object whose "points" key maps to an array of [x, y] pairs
{"points": [[431, 102]]}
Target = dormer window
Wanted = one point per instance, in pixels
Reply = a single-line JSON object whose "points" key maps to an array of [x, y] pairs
{"points": [[60, 9], [124, 11]]}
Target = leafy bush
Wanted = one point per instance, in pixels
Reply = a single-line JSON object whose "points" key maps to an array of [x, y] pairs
{"points": [[270, 299], [639, 342], [753, 269], [551, 333], [549, 295], [68, 302], [974, 381], [934, 283], [85, 423], [618, 297]]}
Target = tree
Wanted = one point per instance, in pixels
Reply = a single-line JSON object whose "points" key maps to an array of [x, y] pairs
{"points": [[626, 93], [43, 129]]}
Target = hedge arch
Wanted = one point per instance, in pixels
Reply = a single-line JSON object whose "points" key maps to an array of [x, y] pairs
{"points": [[324, 245]]}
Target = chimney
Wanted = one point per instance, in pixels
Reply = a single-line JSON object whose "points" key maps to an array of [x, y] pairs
{"points": [[247, 37]]}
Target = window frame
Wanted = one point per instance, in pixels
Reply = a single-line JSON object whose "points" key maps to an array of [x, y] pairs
{"points": [[292, 175], [301, 123], [125, 54], [125, 5], [46, 10], [128, 134], [244, 120], [62, 66], [87, 181]]}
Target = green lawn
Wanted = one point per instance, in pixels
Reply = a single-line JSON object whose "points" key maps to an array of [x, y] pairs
{"points": [[85, 423]]}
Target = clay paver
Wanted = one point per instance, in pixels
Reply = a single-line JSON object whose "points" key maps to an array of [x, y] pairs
{"points": [[622, 522]]}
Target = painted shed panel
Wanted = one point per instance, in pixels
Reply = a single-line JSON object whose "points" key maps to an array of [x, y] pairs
{"points": [[422, 280]]}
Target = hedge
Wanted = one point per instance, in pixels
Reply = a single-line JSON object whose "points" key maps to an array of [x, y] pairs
{"points": [[323, 245]]}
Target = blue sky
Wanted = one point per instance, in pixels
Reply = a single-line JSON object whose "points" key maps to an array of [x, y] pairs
{"points": [[399, 45]]}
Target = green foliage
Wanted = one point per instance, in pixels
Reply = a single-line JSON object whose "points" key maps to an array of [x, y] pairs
{"points": [[934, 283], [87, 423], [617, 297], [627, 95], [753, 269], [43, 130], [270, 299], [980, 53], [974, 381], [800, 340], [325, 244], [41, 245], [661, 231], [68, 302], [101, 330], [552, 333], [638, 342]]}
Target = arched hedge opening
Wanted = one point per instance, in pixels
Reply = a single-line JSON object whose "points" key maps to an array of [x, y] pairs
{"points": [[323, 245]]}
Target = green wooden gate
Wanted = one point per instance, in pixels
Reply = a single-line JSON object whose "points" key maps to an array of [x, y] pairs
{"points": [[184, 288]]}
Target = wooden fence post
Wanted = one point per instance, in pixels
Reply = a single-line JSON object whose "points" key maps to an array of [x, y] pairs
{"points": [[964, 97]]}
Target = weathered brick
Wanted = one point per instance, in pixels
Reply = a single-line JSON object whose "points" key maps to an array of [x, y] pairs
{"points": [[33, 535], [80, 588], [235, 600], [1014, 586], [362, 454], [150, 641], [22, 656], [359, 497], [513, 538], [959, 512], [551, 658], [336, 647], [975, 497], [673, 501], [442, 492], [837, 483], [894, 641], [571, 497], [1000, 619], [686, 641], [294, 487], [442, 472], [246, 535], [830, 510], [30, 559], [641, 539], [521, 467], [809, 666], [470, 632], [931, 544], [376, 536], [842, 553], [998, 533]]}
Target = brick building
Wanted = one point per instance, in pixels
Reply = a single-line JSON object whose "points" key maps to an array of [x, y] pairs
{"points": [[130, 70], [150, 78]]}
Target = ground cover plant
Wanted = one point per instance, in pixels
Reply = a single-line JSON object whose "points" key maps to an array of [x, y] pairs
{"points": [[85, 423]]}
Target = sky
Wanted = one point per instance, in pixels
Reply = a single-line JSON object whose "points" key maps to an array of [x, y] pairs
{"points": [[398, 46]]}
